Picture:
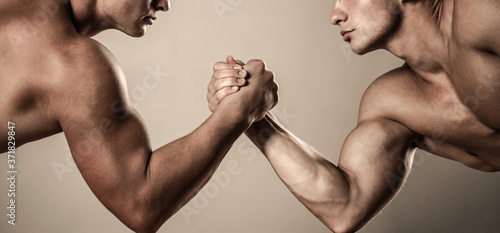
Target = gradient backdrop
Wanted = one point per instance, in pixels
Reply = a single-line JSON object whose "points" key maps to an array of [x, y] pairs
{"points": [[321, 84]]}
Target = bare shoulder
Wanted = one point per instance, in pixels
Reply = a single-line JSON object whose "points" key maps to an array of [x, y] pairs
{"points": [[89, 80], [477, 23], [86, 60], [388, 95]]}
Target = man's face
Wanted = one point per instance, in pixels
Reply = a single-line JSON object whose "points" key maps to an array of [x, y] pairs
{"points": [[132, 16], [366, 24]]}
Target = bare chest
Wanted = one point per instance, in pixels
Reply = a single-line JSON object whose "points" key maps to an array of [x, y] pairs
{"points": [[475, 75], [460, 120]]}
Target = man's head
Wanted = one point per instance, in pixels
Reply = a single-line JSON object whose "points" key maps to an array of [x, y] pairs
{"points": [[367, 24], [132, 16], [129, 16]]}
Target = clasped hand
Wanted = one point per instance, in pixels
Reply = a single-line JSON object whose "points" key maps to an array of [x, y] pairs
{"points": [[250, 87]]}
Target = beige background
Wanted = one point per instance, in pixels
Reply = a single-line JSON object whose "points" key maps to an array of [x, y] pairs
{"points": [[321, 84]]}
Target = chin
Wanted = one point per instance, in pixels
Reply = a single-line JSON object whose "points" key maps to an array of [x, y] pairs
{"points": [[358, 49], [362, 51], [361, 48], [140, 32], [137, 31]]}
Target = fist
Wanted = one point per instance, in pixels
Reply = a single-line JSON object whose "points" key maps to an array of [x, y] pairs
{"points": [[261, 93], [250, 89], [227, 79]]}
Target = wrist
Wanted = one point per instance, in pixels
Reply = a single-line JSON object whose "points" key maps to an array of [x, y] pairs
{"points": [[261, 132], [234, 113]]}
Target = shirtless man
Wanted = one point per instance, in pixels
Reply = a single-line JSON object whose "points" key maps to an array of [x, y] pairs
{"points": [[54, 79], [445, 100]]}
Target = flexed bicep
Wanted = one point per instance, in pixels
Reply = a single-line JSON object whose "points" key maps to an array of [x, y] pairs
{"points": [[374, 163], [376, 158]]}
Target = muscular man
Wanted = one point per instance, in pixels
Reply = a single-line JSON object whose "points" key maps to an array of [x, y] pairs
{"points": [[445, 100], [54, 79]]}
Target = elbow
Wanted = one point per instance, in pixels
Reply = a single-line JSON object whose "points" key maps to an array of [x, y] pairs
{"points": [[142, 218], [343, 220], [143, 223], [340, 212], [343, 229], [343, 226], [346, 220]]}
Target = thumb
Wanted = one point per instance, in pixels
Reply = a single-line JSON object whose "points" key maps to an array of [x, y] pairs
{"points": [[230, 60]]}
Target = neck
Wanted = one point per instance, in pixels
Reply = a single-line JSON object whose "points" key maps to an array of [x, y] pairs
{"points": [[421, 40], [86, 18]]}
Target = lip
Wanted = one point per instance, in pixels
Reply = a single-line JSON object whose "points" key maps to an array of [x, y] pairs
{"points": [[149, 19], [346, 34]]}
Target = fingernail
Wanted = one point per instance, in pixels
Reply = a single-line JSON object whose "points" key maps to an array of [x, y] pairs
{"points": [[241, 80], [234, 88], [238, 67], [242, 72]]}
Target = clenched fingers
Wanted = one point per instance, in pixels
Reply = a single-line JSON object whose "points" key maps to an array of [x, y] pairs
{"points": [[226, 80], [214, 101]]}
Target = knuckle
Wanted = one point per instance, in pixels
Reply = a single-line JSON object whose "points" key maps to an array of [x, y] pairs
{"points": [[216, 84], [269, 76], [218, 66], [217, 74], [209, 86], [258, 64], [217, 97], [213, 86], [272, 75], [254, 60]]}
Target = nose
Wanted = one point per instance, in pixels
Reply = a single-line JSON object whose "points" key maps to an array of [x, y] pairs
{"points": [[162, 5], [338, 14]]}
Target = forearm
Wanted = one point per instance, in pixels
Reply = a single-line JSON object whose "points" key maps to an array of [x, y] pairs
{"points": [[308, 175], [374, 162], [175, 173], [182, 167]]}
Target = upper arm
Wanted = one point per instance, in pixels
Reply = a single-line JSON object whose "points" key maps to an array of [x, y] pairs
{"points": [[376, 156], [477, 22], [106, 136]]}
